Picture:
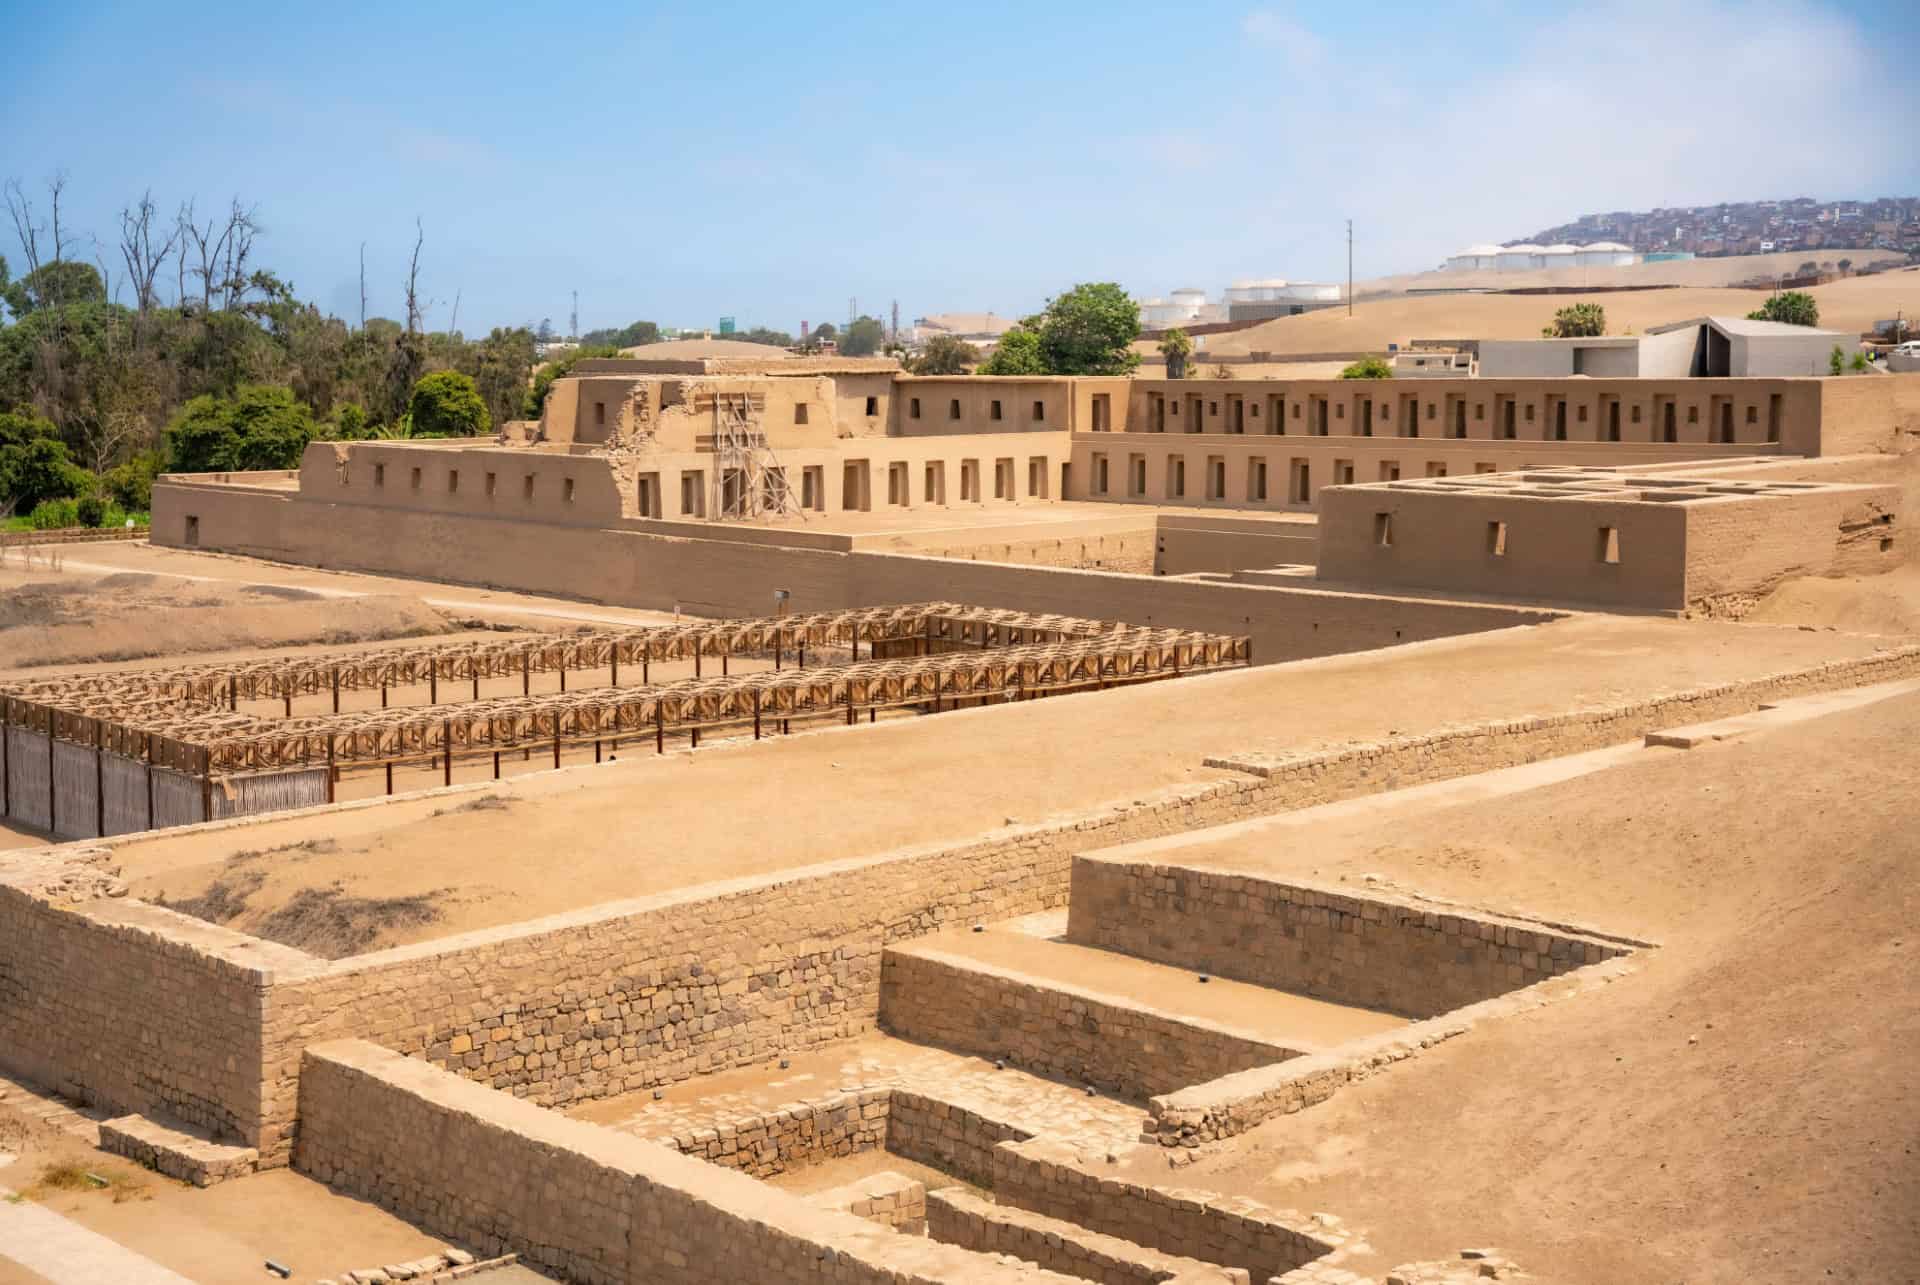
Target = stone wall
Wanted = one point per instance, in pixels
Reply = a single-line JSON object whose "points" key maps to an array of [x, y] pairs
{"points": [[610, 1209], [1048, 1179], [958, 1217], [136, 1008], [1375, 951], [947, 1137], [1057, 1030], [794, 1136], [888, 1198]]}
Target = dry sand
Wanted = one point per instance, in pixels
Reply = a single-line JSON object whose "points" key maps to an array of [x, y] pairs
{"points": [[1849, 306], [647, 825], [68, 620], [1596, 1140]]}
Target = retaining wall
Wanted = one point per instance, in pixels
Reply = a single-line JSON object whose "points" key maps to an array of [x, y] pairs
{"points": [[794, 1136], [956, 1216], [1374, 951], [609, 1209], [1058, 1030]]}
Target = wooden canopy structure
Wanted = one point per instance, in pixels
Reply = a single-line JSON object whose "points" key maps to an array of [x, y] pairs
{"points": [[932, 655]]}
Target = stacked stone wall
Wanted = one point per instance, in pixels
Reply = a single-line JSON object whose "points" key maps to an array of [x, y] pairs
{"points": [[1058, 1030], [609, 1209], [1406, 957], [958, 1217], [794, 1136]]}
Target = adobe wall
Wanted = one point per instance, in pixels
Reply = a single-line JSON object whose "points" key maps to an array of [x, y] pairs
{"points": [[1441, 540], [926, 405], [1200, 542], [137, 1009], [1864, 414], [1747, 548], [728, 577], [956, 1216], [1395, 954], [1056, 1030], [609, 1209], [1329, 461]]}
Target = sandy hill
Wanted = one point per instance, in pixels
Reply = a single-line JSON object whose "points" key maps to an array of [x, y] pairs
{"points": [[1851, 306], [1684, 272]]}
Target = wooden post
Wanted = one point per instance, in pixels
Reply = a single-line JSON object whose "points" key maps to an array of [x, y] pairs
{"points": [[288, 694], [756, 713], [693, 739], [723, 664], [433, 684], [446, 751], [871, 712], [696, 661], [206, 788], [333, 773], [476, 684], [776, 653], [556, 735], [803, 653], [850, 714], [596, 749], [616, 664], [383, 695], [389, 776], [233, 693], [496, 765], [563, 675], [336, 691], [99, 786], [646, 667], [659, 730], [526, 674]]}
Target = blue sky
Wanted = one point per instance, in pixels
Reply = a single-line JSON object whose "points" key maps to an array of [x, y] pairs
{"points": [[681, 162]]}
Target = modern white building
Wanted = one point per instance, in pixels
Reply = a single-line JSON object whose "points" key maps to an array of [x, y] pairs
{"points": [[1184, 307]]}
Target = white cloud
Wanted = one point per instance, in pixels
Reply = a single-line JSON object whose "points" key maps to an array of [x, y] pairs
{"points": [[1301, 48]]}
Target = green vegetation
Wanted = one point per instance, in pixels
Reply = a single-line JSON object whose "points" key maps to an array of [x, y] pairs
{"points": [[1859, 365], [1176, 347], [945, 355], [862, 337], [200, 357], [1795, 307], [1368, 368], [1577, 321], [1089, 330], [446, 404], [629, 336], [543, 378], [1836, 360]]}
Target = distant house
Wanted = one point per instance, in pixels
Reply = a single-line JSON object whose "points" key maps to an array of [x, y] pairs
{"points": [[1705, 347]]}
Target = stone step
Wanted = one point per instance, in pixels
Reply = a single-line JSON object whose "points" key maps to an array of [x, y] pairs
{"points": [[176, 1151]]}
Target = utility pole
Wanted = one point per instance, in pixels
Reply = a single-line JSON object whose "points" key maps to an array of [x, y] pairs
{"points": [[573, 319], [894, 334], [1349, 267], [852, 306]]}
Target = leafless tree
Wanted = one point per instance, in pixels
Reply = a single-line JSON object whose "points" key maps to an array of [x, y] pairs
{"points": [[363, 285], [222, 251], [415, 308], [138, 247], [453, 325], [37, 239]]}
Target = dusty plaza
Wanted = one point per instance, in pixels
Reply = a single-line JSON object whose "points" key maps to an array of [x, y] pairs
{"points": [[797, 821]]}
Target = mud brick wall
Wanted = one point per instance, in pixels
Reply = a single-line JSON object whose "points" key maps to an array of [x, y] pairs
{"points": [[609, 1209], [135, 1008], [956, 1216], [1401, 956], [888, 1198], [1046, 1178], [792, 1137], [1058, 1030]]}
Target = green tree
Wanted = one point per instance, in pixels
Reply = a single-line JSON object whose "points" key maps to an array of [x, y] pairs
{"points": [[1176, 346], [1836, 360], [1859, 365], [543, 378], [130, 485], [1577, 321], [1368, 368], [56, 285], [1845, 265], [628, 336], [446, 404], [259, 427], [1017, 353], [35, 466], [945, 355], [1794, 307], [91, 510], [762, 335], [862, 338], [1089, 330]]}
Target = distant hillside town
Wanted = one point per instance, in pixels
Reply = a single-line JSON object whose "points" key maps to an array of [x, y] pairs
{"points": [[1751, 227]]}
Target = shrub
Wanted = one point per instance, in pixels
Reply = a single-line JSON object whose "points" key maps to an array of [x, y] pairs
{"points": [[1368, 368], [90, 510], [260, 427], [1577, 321], [1836, 361], [51, 515], [130, 485], [1859, 363], [1795, 307]]}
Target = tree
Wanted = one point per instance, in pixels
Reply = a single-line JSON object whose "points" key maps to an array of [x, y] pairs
{"points": [[945, 355], [1836, 360], [629, 336], [1807, 269], [34, 465], [1794, 307], [500, 365], [1017, 353], [259, 427], [1577, 321], [446, 404], [1368, 368], [762, 335], [544, 377], [56, 285], [863, 337], [1090, 330], [130, 485], [1846, 265], [1176, 347]]}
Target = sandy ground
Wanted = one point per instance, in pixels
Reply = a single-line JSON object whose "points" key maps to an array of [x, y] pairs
{"points": [[1887, 604], [217, 1236], [648, 825], [1719, 271], [1740, 1109], [52, 619], [1849, 306]]}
